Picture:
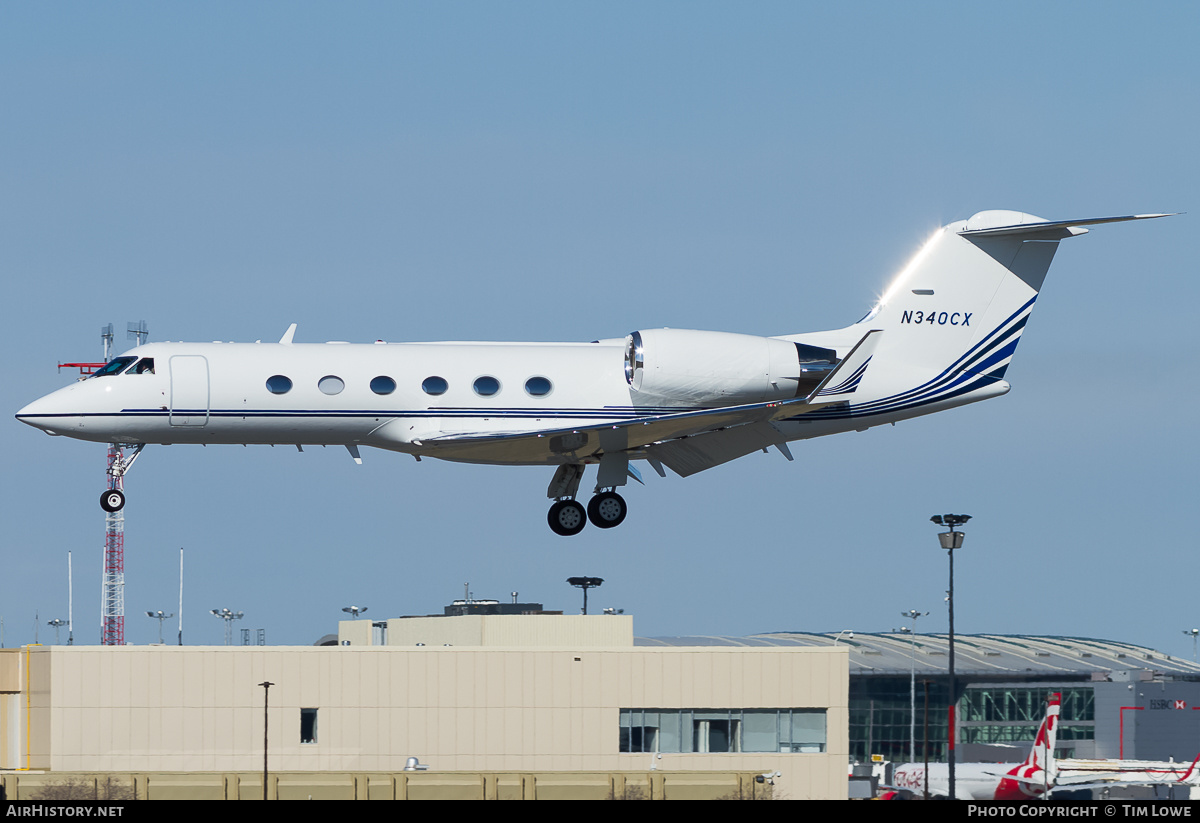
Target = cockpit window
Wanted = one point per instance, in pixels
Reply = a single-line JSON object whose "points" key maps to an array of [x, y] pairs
{"points": [[144, 366], [115, 366]]}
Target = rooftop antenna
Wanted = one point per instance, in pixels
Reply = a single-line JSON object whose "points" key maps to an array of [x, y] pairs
{"points": [[70, 604], [181, 595], [106, 336], [137, 331]]}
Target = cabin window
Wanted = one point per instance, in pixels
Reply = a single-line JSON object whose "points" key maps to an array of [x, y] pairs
{"points": [[330, 384], [278, 384], [538, 387], [435, 385], [486, 386], [114, 367], [383, 385]]}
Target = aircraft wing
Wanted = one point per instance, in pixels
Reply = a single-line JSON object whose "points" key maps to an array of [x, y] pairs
{"points": [[714, 436]]}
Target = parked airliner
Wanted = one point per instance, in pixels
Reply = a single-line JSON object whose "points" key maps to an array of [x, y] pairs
{"points": [[941, 336], [992, 781]]}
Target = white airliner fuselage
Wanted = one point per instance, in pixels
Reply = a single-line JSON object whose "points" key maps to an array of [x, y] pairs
{"points": [[942, 336]]}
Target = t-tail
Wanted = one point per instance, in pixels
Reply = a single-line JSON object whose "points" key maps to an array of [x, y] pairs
{"points": [[952, 318]]}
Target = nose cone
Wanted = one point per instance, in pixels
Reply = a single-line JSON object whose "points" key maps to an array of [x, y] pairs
{"points": [[50, 413]]}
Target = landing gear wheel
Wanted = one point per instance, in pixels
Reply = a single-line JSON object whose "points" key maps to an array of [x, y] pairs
{"points": [[566, 518], [607, 510], [112, 500]]}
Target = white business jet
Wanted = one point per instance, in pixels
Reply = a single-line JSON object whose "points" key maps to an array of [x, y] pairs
{"points": [[941, 336]]}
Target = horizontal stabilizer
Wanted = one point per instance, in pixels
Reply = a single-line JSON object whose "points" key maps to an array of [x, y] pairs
{"points": [[1056, 228]]}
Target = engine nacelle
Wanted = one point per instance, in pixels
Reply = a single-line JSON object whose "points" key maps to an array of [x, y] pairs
{"points": [[689, 368]]}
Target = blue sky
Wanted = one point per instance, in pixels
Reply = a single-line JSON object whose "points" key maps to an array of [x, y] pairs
{"points": [[551, 171]]}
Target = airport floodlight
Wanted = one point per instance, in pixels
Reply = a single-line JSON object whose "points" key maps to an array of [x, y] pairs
{"points": [[1193, 633], [228, 616], [849, 633], [354, 611], [912, 614], [585, 583], [950, 541], [57, 623], [160, 616]]}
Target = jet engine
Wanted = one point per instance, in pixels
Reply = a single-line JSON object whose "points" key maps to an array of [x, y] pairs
{"points": [[688, 368]]}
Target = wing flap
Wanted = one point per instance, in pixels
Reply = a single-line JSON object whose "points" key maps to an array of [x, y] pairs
{"points": [[689, 455]]}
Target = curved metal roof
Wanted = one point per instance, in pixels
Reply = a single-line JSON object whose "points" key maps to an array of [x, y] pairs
{"points": [[981, 655]]}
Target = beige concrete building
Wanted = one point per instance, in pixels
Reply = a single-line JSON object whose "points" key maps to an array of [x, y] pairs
{"points": [[484, 697]]}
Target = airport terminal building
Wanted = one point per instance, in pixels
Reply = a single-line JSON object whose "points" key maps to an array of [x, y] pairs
{"points": [[1118, 700], [543, 705], [492, 706]]}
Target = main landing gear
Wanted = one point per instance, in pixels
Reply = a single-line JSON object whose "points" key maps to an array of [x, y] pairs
{"points": [[605, 510], [113, 500], [568, 517]]}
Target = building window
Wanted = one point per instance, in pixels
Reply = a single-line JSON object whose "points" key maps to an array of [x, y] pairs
{"points": [[308, 725], [722, 730]]}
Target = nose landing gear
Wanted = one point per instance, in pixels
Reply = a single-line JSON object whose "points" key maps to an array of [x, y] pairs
{"points": [[113, 500]]}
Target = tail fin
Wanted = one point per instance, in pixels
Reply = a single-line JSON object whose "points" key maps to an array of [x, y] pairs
{"points": [[954, 315], [1041, 756]]}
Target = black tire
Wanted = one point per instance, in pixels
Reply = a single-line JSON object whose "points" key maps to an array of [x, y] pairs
{"points": [[112, 500], [607, 510], [567, 518]]}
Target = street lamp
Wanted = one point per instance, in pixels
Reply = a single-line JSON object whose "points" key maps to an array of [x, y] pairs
{"points": [[266, 684], [950, 541], [912, 614]]}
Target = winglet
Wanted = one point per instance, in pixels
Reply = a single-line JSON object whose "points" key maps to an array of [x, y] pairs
{"points": [[288, 335], [844, 379]]}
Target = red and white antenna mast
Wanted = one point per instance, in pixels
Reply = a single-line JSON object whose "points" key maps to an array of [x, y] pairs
{"points": [[112, 586]]}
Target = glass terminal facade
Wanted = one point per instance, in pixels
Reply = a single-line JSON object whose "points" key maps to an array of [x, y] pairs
{"points": [[997, 715]]}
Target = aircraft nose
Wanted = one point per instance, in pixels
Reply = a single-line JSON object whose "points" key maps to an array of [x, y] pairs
{"points": [[46, 413]]}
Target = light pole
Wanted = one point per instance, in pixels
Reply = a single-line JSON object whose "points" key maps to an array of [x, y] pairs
{"points": [[160, 616], [950, 541], [266, 684], [912, 614], [1193, 633], [57, 623], [585, 583], [228, 616]]}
